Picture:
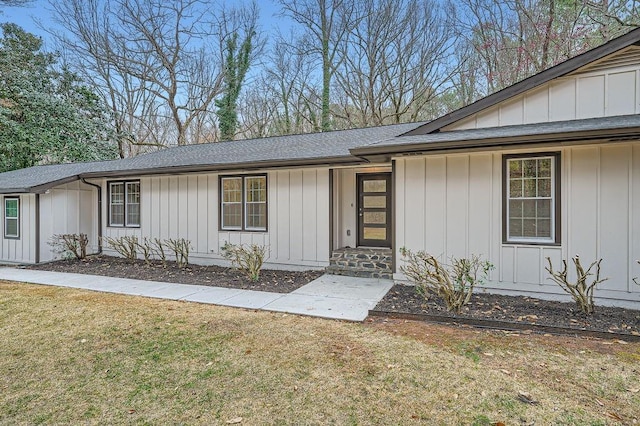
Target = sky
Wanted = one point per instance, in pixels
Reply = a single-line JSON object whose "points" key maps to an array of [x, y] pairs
{"points": [[26, 16]]}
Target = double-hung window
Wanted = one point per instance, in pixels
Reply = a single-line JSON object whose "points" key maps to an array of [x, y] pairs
{"points": [[124, 204], [243, 203], [11, 217], [532, 199]]}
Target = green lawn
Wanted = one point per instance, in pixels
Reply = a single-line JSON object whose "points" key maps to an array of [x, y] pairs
{"points": [[70, 356]]}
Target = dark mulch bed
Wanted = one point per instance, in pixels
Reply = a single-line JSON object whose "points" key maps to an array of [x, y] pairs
{"points": [[403, 299], [216, 276]]}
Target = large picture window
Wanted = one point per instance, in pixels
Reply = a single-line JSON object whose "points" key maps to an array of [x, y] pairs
{"points": [[124, 204], [11, 217], [532, 204], [243, 203]]}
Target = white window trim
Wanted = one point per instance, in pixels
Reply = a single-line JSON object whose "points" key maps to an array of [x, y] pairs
{"points": [[15, 236], [246, 203], [243, 204], [507, 198], [125, 223], [223, 203]]}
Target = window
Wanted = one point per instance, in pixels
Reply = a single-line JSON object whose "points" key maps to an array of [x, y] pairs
{"points": [[532, 199], [12, 218], [124, 204], [243, 204]]}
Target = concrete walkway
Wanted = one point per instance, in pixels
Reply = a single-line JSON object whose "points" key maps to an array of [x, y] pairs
{"points": [[330, 296]]}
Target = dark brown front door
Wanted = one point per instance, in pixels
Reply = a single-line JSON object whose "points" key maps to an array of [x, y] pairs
{"points": [[374, 209]]}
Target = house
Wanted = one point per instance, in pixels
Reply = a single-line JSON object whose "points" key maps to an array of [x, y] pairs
{"points": [[548, 167]]}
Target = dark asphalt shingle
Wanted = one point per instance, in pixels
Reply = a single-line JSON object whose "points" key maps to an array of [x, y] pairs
{"points": [[294, 148]]}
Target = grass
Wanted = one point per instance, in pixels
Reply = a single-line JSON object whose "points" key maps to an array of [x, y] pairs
{"points": [[71, 356]]}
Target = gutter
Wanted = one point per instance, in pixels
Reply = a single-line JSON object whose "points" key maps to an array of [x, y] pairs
{"points": [[99, 188], [613, 135]]}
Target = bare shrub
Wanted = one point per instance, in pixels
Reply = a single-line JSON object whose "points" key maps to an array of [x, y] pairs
{"points": [[158, 250], [248, 259], [146, 248], [180, 248], [453, 283], [70, 245], [581, 291], [126, 246]]}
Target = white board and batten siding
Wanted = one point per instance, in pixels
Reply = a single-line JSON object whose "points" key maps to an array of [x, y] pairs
{"points": [[187, 206], [604, 89], [22, 249], [451, 205], [68, 209]]}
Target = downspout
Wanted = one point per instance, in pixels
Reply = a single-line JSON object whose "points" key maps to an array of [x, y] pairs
{"points": [[99, 188], [37, 248]]}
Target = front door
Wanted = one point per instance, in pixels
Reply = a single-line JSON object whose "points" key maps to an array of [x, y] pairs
{"points": [[374, 209]]}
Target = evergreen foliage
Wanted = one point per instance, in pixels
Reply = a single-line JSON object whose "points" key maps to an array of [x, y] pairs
{"points": [[236, 67], [46, 114]]}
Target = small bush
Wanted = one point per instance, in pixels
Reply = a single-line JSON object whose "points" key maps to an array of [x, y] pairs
{"points": [[581, 291], [126, 246], [180, 248], [158, 250], [70, 245], [453, 283], [248, 259], [146, 248]]}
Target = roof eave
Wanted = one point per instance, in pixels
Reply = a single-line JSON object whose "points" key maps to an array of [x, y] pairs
{"points": [[204, 168], [384, 153]]}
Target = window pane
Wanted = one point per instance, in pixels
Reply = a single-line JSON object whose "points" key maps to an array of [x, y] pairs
{"points": [[515, 188], [529, 188], [529, 228], [375, 185], [375, 217], [11, 208], [529, 168], [544, 187], [133, 214], [515, 168], [529, 208], [515, 208], [544, 167], [543, 209], [544, 228], [256, 189], [232, 215], [375, 201], [375, 233], [117, 214], [515, 228], [257, 216], [117, 193], [232, 190], [133, 203], [11, 227]]}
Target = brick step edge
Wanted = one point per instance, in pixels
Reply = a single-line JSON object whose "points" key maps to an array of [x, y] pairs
{"points": [[506, 325], [361, 273]]}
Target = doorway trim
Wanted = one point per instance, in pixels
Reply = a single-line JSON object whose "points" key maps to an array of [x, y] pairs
{"points": [[361, 178]]}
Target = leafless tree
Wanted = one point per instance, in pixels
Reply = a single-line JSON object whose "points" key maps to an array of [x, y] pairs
{"points": [[513, 39], [158, 63], [325, 24], [395, 63]]}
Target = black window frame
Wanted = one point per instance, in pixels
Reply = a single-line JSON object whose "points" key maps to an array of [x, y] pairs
{"points": [[124, 184], [4, 218], [556, 218], [243, 227]]}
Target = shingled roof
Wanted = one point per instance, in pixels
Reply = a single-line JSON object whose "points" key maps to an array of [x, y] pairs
{"points": [[620, 127], [280, 151]]}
